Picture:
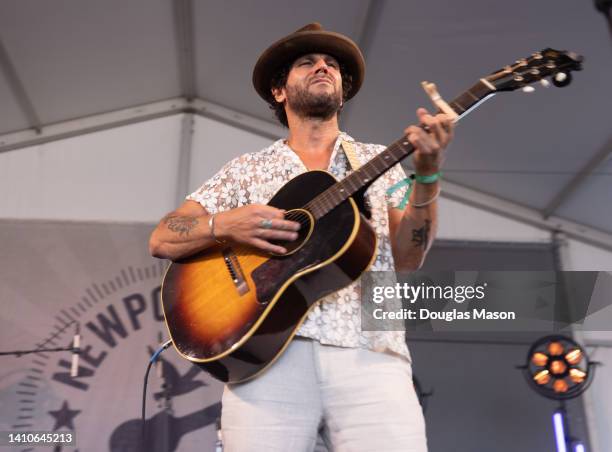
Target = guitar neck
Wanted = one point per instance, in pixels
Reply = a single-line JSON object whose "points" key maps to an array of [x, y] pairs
{"points": [[361, 179]]}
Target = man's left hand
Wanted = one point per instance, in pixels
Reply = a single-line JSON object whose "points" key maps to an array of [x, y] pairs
{"points": [[429, 153]]}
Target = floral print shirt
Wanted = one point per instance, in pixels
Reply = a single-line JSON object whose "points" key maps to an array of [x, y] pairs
{"points": [[255, 177]]}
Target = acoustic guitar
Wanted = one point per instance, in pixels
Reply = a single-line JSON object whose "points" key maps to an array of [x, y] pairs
{"points": [[232, 309]]}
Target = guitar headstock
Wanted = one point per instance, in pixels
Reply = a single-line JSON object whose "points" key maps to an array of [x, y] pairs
{"points": [[557, 64]]}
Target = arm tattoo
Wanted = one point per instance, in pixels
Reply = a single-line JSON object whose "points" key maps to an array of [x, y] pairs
{"points": [[181, 225], [420, 237]]}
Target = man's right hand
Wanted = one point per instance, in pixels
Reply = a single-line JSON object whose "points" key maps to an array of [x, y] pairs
{"points": [[256, 225]]}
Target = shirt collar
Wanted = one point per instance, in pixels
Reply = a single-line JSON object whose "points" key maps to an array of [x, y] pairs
{"points": [[284, 147]]}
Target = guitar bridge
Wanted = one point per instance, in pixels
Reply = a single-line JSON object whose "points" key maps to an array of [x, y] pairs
{"points": [[235, 271]]}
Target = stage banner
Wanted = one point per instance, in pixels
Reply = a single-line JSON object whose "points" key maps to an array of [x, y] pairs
{"points": [[99, 279]]}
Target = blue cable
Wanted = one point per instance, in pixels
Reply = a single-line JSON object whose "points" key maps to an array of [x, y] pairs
{"points": [[164, 346]]}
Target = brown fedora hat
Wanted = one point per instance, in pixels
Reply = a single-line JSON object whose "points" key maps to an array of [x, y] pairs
{"points": [[309, 39]]}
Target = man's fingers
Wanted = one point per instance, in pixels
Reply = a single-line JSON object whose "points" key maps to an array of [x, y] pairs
{"points": [[439, 132], [421, 112], [419, 138], [269, 212], [286, 225], [439, 125], [277, 217], [266, 246], [447, 126], [275, 234], [281, 225]]}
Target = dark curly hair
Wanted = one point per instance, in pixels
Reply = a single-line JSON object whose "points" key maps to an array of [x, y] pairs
{"points": [[280, 80]]}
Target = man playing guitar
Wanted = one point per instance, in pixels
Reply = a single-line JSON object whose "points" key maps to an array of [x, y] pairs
{"points": [[355, 386]]}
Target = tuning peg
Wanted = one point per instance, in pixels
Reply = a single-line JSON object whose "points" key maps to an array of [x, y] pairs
{"points": [[545, 83], [561, 79], [528, 89]]}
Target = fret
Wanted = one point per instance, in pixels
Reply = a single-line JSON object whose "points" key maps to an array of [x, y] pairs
{"points": [[327, 204], [465, 100], [375, 163], [471, 97], [313, 207], [361, 180], [457, 107], [365, 177], [469, 93], [369, 171], [351, 184], [342, 188], [392, 155], [334, 198], [401, 150]]}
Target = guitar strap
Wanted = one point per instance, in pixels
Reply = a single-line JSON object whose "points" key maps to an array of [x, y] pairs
{"points": [[362, 201], [351, 155]]}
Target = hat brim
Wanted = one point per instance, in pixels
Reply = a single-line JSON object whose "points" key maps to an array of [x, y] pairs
{"points": [[292, 47]]}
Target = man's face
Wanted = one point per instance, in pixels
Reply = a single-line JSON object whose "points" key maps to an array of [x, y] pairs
{"points": [[314, 87]]}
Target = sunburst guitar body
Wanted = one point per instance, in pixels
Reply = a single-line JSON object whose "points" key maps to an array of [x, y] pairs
{"points": [[232, 310]]}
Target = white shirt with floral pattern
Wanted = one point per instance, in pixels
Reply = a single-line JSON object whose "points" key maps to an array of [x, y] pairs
{"points": [[255, 177]]}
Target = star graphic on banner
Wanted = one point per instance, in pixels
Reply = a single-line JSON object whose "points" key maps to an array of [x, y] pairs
{"points": [[64, 416]]}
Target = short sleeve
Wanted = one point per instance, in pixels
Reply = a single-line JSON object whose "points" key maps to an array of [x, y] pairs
{"points": [[222, 191]]}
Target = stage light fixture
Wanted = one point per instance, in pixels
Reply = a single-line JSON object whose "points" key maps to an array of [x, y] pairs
{"points": [[558, 368]]}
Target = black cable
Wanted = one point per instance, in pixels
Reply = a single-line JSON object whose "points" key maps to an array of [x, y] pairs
{"points": [[19, 353], [154, 357], [144, 403]]}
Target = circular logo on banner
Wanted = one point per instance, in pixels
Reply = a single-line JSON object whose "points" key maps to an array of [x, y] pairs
{"points": [[120, 323]]}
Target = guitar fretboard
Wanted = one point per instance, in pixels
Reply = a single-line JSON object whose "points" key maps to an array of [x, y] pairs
{"points": [[362, 178]]}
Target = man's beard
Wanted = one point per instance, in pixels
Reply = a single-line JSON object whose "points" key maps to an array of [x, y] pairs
{"points": [[313, 106]]}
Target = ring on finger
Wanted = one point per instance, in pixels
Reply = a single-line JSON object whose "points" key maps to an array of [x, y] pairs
{"points": [[266, 224]]}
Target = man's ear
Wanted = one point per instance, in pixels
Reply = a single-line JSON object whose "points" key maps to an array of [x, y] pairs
{"points": [[279, 95]]}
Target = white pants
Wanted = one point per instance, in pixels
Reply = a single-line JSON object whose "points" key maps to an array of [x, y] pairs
{"points": [[360, 400]]}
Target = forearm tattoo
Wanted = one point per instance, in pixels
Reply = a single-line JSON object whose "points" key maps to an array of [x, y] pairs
{"points": [[181, 225], [420, 237]]}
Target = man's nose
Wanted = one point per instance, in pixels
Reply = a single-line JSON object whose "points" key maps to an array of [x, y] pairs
{"points": [[321, 65]]}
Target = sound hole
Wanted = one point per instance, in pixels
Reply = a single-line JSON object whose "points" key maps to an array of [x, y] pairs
{"points": [[306, 219]]}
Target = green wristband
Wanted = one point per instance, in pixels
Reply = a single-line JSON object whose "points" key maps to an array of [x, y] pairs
{"points": [[427, 179]]}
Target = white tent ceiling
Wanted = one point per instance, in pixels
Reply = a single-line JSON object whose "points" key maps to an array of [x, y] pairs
{"points": [[549, 151]]}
